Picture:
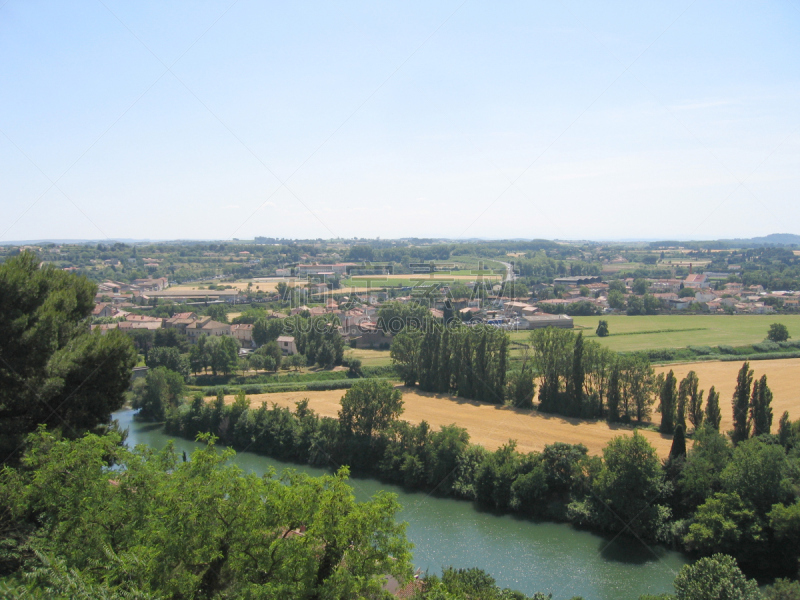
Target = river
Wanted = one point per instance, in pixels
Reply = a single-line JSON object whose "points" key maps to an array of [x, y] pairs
{"points": [[524, 555]]}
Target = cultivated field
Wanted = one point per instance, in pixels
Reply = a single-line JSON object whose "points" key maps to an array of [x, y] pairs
{"points": [[369, 358], [410, 280], [265, 285], [488, 425], [679, 331], [783, 377]]}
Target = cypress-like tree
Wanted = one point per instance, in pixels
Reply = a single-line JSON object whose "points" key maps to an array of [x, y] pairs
{"points": [[612, 397], [713, 413], [501, 366], [576, 377], [741, 404], [694, 408], [785, 433], [683, 400], [760, 409], [678, 449], [667, 397]]}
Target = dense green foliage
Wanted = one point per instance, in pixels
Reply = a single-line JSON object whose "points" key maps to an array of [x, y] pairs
{"points": [[580, 378], [470, 362], [159, 527], [53, 370]]}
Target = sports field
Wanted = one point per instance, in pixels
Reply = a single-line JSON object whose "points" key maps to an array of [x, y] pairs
{"points": [[680, 331], [489, 425]]}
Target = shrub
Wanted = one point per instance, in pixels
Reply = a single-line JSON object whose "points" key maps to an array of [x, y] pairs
{"points": [[701, 350], [766, 347]]}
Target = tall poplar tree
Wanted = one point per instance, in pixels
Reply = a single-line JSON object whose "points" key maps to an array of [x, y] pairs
{"points": [[713, 412], [741, 404], [694, 405], [668, 397], [576, 377], [612, 398], [760, 409]]}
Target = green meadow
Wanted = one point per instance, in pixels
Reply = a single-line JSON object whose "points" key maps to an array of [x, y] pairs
{"points": [[679, 331]]}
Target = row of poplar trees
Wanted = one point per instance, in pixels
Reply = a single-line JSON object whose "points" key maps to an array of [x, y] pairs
{"points": [[470, 362], [684, 400], [752, 399], [580, 378]]}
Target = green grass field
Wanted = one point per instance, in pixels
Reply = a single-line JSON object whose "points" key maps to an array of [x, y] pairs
{"points": [[369, 358], [679, 331]]}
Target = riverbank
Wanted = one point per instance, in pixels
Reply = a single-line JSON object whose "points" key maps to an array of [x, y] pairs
{"points": [[488, 425], [519, 553]]}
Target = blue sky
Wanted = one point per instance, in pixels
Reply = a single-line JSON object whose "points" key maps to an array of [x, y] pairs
{"points": [[569, 120]]}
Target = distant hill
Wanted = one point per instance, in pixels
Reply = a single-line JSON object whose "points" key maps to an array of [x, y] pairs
{"points": [[773, 239]]}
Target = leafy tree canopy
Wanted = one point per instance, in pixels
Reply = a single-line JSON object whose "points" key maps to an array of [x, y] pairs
{"points": [[202, 528], [53, 369]]}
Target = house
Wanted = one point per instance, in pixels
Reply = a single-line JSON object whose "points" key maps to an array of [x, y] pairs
{"points": [[130, 325], [103, 310], [180, 320], [206, 327], [704, 296], [243, 332], [678, 303], [697, 280], [373, 336], [759, 308], [577, 280], [144, 319], [287, 344]]}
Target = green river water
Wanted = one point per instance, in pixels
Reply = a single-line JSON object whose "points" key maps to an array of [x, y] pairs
{"points": [[521, 554]]}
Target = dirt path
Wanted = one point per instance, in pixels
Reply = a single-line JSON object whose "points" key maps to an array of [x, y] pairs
{"points": [[488, 425]]}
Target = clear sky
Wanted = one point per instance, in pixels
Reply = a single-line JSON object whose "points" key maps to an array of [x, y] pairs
{"points": [[570, 120]]}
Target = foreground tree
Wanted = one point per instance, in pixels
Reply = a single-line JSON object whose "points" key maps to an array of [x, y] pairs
{"points": [[716, 577], [200, 528], [53, 369]]}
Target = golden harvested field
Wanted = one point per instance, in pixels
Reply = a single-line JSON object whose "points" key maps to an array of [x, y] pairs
{"points": [[488, 425], [423, 276], [267, 285], [783, 378]]}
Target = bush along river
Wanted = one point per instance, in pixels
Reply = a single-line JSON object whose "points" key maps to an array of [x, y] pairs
{"points": [[520, 554]]}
